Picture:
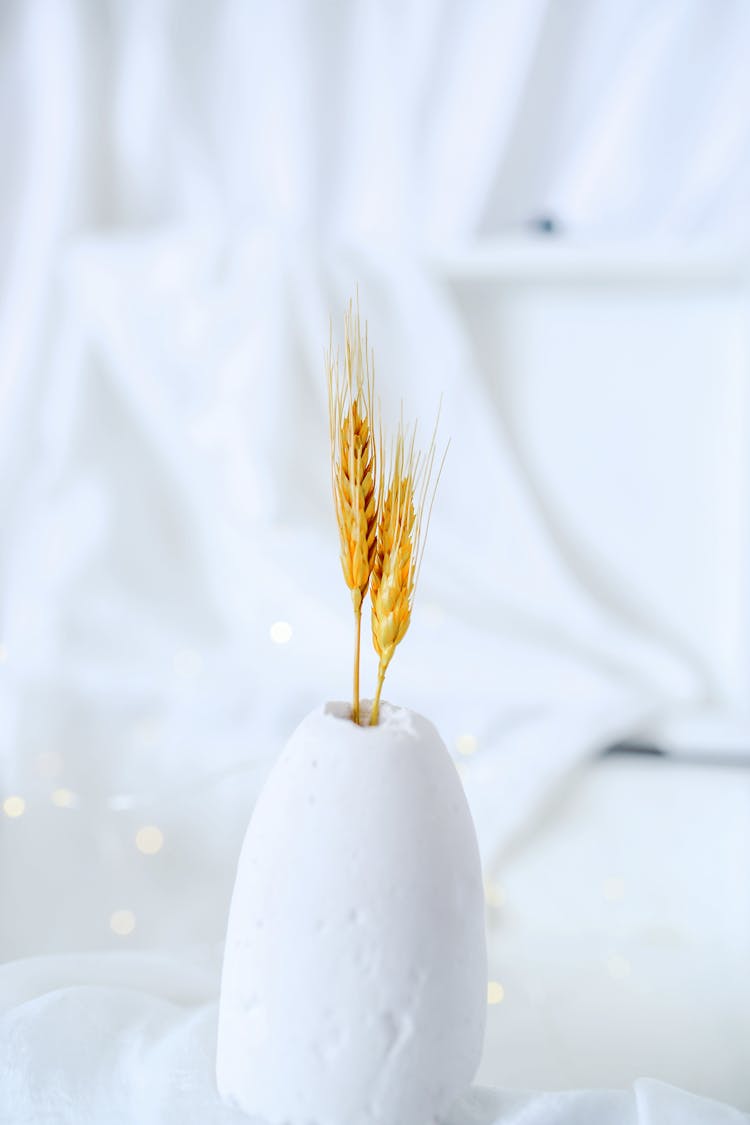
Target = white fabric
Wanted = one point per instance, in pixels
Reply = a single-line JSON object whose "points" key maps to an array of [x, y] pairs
{"points": [[86, 1055], [191, 191]]}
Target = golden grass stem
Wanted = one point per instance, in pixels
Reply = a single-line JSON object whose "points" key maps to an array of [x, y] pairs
{"points": [[375, 714], [357, 641]]}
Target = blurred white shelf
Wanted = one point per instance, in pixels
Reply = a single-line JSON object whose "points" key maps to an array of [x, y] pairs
{"points": [[554, 258]]}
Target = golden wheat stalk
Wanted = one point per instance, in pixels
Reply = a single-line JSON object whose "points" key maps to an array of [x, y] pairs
{"points": [[404, 515], [353, 468]]}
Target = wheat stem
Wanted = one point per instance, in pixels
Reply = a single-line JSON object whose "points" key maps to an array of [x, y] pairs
{"points": [[357, 639], [375, 714]]}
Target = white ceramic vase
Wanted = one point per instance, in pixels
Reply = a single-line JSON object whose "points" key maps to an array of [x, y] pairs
{"points": [[355, 971]]}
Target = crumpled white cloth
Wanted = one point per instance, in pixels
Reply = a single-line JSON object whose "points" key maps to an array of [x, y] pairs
{"points": [[136, 1046], [194, 190]]}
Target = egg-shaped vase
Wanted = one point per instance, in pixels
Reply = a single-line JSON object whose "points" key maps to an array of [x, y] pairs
{"points": [[355, 969]]}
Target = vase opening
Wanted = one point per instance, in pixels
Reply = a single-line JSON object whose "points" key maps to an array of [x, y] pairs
{"points": [[343, 711]]}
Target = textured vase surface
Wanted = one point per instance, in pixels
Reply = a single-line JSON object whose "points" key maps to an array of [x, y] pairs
{"points": [[355, 969]]}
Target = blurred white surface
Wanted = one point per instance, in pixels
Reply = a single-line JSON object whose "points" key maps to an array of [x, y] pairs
{"points": [[620, 933], [192, 191]]}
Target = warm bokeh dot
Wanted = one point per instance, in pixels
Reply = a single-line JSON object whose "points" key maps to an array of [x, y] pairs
{"points": [[495, 992], [280, 632], [149, 839], [63, 798], [467, 743], [122, 922], [14, 806]]}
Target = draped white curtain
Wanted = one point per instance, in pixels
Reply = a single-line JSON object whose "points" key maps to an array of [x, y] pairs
{"points": [[190, 191]]}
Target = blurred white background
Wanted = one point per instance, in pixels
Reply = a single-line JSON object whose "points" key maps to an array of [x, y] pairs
{"points": [[545, 208]]}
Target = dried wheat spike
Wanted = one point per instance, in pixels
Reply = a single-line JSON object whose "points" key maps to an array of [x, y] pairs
{"points": [[402, 528], [353, 467]]}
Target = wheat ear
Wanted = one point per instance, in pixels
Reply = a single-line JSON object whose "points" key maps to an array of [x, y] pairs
{"points": [[402, 529], [353, 468]]}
